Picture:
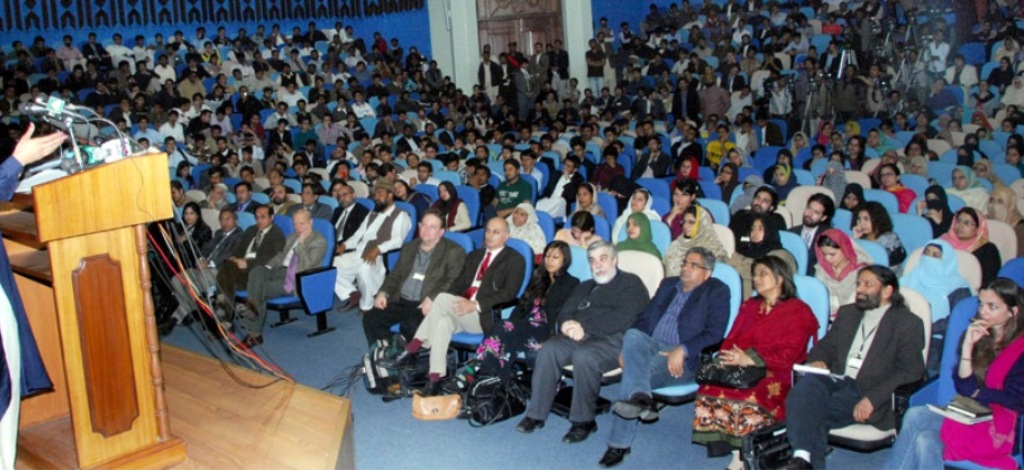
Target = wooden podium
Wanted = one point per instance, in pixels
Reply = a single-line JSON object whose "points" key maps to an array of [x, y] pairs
{"points": [[93, 224]]}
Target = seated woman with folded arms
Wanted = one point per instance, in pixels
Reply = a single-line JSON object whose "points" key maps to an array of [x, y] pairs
{"points": [[991, 371]]}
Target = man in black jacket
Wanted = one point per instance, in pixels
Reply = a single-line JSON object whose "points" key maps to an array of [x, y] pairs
{"points": [[491, 275], [591, 326], [817, 218], [561, 192], [426, 268], [349, 215], [876, 345], [258, 245], [686, 102]]}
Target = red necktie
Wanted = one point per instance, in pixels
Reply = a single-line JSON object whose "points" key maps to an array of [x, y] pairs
{"points": [[479, 276]]}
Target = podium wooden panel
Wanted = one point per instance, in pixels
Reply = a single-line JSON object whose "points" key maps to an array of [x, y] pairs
{"points": [[93, 224]]}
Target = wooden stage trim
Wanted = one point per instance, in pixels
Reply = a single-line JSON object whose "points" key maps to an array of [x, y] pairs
{"points": [[226, 425]]}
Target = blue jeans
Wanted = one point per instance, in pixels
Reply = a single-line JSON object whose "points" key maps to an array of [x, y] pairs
{"points": [[596, 83], [918, 445], [644, 368]]}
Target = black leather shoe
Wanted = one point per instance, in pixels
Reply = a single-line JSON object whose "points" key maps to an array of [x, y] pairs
{"points": [[403, 359], [579, 432], [796, 463], [639, 406], [528, 425], [613, 456]]}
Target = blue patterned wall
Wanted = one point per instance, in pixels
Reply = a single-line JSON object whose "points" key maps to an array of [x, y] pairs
{"points": [[22, 20]]}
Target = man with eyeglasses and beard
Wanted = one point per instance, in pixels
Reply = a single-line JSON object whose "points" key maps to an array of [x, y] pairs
{"points": [[875, 345], [591, 326], [817, 218], [361, 259]]}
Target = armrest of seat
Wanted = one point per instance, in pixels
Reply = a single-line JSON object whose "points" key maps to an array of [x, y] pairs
{"points": [[901, 398]]}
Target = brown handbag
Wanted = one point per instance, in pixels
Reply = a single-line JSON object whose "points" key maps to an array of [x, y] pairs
{"points": [[436, 408]]}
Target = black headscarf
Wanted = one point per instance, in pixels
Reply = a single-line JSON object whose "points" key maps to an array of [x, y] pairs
{"points": [[941, 203], [852, 188], [770, 242]]}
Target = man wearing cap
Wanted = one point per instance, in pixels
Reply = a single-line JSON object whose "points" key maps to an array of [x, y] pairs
{"points": [[361, 259]]}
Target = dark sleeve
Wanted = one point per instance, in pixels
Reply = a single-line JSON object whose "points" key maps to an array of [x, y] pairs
{"points": [[827, 348], [907, 366], [9, 171], [988, 257], [627, 308], [1011, 396], [512, 272], [557, 294], [395, 278], [271, 246], [713, 319], [451, 266], [648, 319]]}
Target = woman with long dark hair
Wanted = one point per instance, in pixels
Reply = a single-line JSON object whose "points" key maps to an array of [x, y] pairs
{"points": [[454, 213], [532, 321]]}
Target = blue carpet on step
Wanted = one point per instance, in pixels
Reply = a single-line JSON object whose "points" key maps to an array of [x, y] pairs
{"points": [[387, 437]]}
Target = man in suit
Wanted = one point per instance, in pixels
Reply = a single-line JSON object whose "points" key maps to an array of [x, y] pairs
{"points": [[279, 199], [770, 132], [539, 66], [490, 276], [653, 163], [214, 254], [875, 344], [817, 218], [426, 267], [644, 107], [687, 145], [349, 215], [687, 314], [243, 199], [303, 250], [258, 245], [561, 193], [311, 203], [591, 325], [685, 102], [360, 261]]}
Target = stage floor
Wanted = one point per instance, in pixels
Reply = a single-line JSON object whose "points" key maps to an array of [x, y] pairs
{"points": [[224, 424]]}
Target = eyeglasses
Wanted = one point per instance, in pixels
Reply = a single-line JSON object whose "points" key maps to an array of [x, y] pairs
{"points": [[693, 265]]}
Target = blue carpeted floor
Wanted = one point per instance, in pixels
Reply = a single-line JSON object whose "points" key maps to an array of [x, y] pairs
{"points": [[387, 437]]}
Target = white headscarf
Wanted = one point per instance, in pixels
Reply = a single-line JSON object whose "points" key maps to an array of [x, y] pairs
{"points": [[529, 232], [621, 221]]}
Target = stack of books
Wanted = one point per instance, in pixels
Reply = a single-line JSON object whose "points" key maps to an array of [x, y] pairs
{"points": [[964, 410]]}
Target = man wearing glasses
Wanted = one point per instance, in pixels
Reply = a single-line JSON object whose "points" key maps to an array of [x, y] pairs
{"points": [[591, 326], [687, 314]]}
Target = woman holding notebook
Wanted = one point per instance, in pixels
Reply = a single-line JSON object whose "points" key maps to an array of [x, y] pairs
{"points": [[991, 372]]}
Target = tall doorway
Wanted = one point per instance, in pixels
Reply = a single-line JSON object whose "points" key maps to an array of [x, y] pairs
{"points": [[525, 22]]}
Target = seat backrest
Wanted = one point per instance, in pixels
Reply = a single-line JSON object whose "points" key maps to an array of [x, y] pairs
{"points": [[644, 265], [360, 188], [324, 199], [326, 228], [967, 264], [719, 210], [959, 319], [532, 182], [787, 216], [726, 237], [602, 228], [1014, 269], [795, 245], [875, 250], [1004, 238], [853, 176], [211, 217], [429, 190], [461, 239], [245, 220], [842, 220], [580, 266], [411, 210], [547, 225], [920, 306], [728, 275], [195, 195], [285, 223], [916, 183], [914, 231], [524, 250], [609, 206], [471, 197], [883, 197], [449, 176], [814, 293]]}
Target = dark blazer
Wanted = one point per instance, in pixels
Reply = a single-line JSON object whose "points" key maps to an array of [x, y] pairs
{"points": [[219, 248], [446, 262], [893, 360], [355, 218], [496, 74], [695, 150], [319, 210], [273, 243], [556, 296], [692, 103], [773, 135], [701, 322], [250, 208], [500, 284], [812, 257], [639, 109], [660, 166], [569, 191], [605, 310]]}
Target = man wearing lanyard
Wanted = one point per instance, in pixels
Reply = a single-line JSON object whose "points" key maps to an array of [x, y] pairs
{"points": [[875, 346], [491, 275]]}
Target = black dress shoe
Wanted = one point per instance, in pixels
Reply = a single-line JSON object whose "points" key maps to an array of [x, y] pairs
{"points": [[579, 432], [639, 406], [613, 456], [403, 359], [528, 425], [431, 389], [797, 463]]}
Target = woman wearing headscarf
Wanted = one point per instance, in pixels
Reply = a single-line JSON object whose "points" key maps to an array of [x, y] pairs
{"points": [[756, 244], [783, 181], [918, 166], [824, 136], [935, 208], [1002, 206], [798, 142], [937, 277], [968, 188], [641, 202], [638, 236], [839, 259], [853, 196], [728, 180], [698, 230], [688, 169], [750, 186], [889, 176], [834, 178], [970, 233], [586, 200], [983, 169], [454, 213], [522, 225]]}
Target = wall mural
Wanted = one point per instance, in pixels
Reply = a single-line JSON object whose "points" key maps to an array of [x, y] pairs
{"points": [[42, 15]]}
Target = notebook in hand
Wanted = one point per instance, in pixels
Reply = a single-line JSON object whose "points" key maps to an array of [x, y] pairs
{"points": [[964, 410]]}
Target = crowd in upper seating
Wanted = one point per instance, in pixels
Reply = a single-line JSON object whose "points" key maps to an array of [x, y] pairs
{"points": [[820, 139]]}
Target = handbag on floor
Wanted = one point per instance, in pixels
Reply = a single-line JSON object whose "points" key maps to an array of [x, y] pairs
{"points": [[436, 408], [489, 401], [381, 380], [766, 449]]}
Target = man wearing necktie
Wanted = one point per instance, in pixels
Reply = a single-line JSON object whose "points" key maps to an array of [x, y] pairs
{"points": [[303, 250], [259, 244], [349, 215], [491, 275]]}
